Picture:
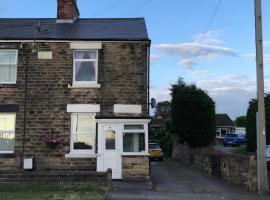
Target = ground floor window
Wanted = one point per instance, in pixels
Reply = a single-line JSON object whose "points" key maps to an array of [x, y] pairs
{"points": [[134, 138], [83, 131], [7, 132]]}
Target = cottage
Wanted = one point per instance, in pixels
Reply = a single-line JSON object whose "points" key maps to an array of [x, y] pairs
{"points": [[224, 125], [74, 94]]}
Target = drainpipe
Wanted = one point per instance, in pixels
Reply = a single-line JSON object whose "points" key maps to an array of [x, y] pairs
{"points": [[25, 100], [148, 77]]}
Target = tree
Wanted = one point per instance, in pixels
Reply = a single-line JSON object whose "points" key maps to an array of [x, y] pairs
{"points": [[251, 126], [193, 115], [241, 121]]}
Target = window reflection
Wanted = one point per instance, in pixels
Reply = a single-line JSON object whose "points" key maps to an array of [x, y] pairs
{"points": [[110, 139]]}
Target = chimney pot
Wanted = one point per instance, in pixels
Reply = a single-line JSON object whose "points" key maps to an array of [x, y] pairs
{"points": [[67, 11]]}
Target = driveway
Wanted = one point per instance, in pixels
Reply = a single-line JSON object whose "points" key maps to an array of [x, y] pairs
{"points": [[171, 181]]}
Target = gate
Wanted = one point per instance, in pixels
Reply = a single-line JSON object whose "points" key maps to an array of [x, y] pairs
{"points": [[215, 165]]}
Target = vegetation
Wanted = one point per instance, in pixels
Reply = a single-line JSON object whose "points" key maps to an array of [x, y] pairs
{"points": [[241, 121], [193, 115], [251, 123], [240, 150], [66, 191]]}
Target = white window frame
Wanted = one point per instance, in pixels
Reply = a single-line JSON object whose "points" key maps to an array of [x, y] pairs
{"points": [[85, 83], [1, 131], [93, 133], [16, 63], [144, 130]]}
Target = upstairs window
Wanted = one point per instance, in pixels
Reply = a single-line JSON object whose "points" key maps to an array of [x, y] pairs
{"points": [[85, 66], [8, 66], [7, 132]]}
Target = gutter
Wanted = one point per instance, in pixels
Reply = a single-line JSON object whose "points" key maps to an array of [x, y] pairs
{"points": [[148, 77]]}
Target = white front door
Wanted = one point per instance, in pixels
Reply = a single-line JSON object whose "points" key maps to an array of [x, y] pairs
{"points": [[110, 151]]}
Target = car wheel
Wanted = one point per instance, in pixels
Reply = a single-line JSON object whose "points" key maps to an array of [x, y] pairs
{"points": [[160, 159], [225, 145]]}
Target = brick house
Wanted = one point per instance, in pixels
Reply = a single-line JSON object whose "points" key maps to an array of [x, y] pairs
{"points": [[74, 94], [224, 125]]}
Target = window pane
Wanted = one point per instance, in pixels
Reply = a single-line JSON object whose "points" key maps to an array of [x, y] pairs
{"points": [[7, 141], [85, 54], [83, 142], [84, 123], [8, 73], [110, 139], [85, 71], [7, 123], [134, 142], [8, 57], [133, 126]]}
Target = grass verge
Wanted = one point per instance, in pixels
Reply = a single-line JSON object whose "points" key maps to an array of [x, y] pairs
{"points": [[240, 150], [53, 191]]}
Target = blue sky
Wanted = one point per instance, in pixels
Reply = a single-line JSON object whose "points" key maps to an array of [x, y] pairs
{"points": [[220, 60]]}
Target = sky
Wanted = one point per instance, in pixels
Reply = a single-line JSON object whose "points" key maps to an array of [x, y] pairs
{"points": [[214, 50]]}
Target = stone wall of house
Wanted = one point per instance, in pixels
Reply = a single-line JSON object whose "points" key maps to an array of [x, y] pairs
{"points": [[135, 167], [237, 169], [122, 75]]}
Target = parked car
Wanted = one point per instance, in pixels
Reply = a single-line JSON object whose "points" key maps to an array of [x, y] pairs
{"points": [[231, 139], [242, 138], [268, 156], [155, 152]]}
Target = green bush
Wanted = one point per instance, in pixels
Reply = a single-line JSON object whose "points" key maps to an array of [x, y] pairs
{"points": [[251, 123], [193, 115]]}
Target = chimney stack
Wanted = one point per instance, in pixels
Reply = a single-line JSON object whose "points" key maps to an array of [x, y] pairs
{"points": [[67, 11]]}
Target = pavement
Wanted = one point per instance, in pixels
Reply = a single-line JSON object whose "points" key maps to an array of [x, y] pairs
{"points": [[172, 181], [223, 150]]}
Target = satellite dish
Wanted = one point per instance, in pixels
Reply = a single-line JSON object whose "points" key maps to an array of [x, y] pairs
{"points": [[153, 103]]}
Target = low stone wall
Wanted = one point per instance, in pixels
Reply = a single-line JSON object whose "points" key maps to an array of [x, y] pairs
{"points": [[238, 169], [135, 167]]}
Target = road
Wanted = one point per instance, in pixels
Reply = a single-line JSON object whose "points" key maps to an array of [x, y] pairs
{"points": [[171, 181]]}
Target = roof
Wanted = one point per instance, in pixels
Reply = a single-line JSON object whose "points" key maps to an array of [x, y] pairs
{"points": [[110, 29], [224, 120]]}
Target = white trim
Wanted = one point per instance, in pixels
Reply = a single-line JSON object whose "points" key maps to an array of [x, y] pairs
{"points": [[2, 131], [80, 155], [127, 108], [85, 60], [86, 45], [83, 108], [77, 85], [135, 121], [45, 55], [16, 63], [134, 154]]}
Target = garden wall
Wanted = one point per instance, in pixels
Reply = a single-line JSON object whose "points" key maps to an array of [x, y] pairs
{"points": [[237, 169]]}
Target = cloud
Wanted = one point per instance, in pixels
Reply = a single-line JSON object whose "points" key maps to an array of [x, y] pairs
{"points": [[210, 37], [154, 57], [198, 74], [161, 93], [230, 92], [187, 62], [204, 47]]}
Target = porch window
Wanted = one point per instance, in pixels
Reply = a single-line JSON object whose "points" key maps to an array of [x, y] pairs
{"points": [[83, 132], [7, 132], [8, 66], [134, 138], [85, 65]]}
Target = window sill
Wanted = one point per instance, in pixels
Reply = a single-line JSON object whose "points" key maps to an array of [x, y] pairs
{"points": [[7, 155], [93, 85], [8, 85], [135, 154], [77, 155]]}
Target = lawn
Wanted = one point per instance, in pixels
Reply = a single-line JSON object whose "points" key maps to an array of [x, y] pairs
{"points": [[240, 150], [52, 191]]}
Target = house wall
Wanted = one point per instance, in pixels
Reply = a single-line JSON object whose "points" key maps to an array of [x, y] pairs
{"points": [[122, 75]]}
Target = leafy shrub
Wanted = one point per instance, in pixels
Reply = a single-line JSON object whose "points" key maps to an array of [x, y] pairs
{"points": [[193, 115], [251, 127]]}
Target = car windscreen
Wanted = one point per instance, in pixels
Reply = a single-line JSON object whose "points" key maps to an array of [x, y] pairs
{"points": [[154, 146], [230, 135]]}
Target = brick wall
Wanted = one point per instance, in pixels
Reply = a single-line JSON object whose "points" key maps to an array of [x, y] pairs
{"points": [[135, 167], [123, 77]]}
